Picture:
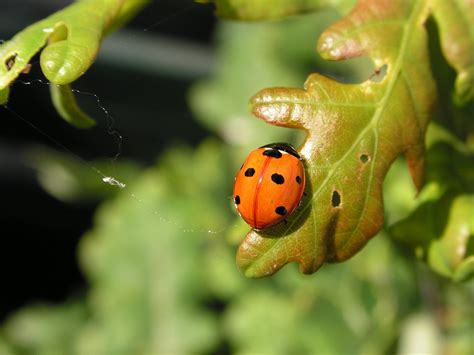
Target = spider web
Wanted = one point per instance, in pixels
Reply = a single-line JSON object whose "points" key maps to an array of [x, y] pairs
{"points": [[111, 130]]}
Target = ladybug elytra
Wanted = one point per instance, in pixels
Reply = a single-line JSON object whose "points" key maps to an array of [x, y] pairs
{"points": [[269, 185]]}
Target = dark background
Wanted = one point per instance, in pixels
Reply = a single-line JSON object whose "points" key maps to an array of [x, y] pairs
{"points": [[141, 77]]}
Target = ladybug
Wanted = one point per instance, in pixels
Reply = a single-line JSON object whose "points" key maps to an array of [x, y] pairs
{"points": [[269, 185]]}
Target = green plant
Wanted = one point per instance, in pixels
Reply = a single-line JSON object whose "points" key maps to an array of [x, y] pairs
{"points": [[353, 131], [354, 134]]}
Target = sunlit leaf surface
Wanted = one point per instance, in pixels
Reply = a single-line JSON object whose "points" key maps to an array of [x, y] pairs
{"points": [[354, 133]]}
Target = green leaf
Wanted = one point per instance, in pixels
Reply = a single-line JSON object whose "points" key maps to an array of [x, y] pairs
{"points": [[271, 9], [442, 231], [70, 39], [450, 168], [398, 192], [449, 255], [455, 20], [66, 105], [441, 228], [354, 133]]}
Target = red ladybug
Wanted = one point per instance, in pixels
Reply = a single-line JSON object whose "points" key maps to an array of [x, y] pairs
{"points": [[269, 185]]}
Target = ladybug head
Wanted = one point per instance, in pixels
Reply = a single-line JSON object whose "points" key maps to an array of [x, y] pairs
{"points": [[284, 147]]}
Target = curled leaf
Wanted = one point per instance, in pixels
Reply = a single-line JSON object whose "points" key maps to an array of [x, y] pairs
{"points": [[70, 39], [74, 34], [441, 228], [450, 255], [455, 19], [66, 105], [442, 232], [354, 133]]}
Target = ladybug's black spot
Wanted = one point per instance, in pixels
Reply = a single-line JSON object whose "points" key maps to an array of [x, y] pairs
{"points": [[278, 179], [281, 210], [237, 200], [298, 179], [272, 153], [249, 172]]}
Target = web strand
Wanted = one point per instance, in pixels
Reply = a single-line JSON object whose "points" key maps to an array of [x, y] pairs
{"points": [[109, 180], [170, 16], [110, 119], [111, 130]]}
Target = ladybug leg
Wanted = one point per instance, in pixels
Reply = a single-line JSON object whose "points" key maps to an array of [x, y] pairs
{"points": [[285, 221]]}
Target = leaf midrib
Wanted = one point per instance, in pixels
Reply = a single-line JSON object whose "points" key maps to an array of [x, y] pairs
{"points": [[407, 28], [380, 104]]}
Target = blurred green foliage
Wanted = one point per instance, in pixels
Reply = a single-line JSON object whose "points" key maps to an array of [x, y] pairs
{"points": [[159, 259], [441, 227]]}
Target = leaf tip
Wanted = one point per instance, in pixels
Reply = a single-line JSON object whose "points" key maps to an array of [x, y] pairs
{"points": [[280, 106], [63, 62], [331, 47], [267, 105], [415, 156], [67, 107], [251, 262]]}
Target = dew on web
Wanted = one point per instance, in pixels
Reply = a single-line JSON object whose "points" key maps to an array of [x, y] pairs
{"points": [[113, 182]]}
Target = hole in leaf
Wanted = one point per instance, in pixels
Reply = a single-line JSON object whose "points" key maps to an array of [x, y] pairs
{"points": [[364, 158], [365, 68], [336, 199], [379, 74], [10, 62]]}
